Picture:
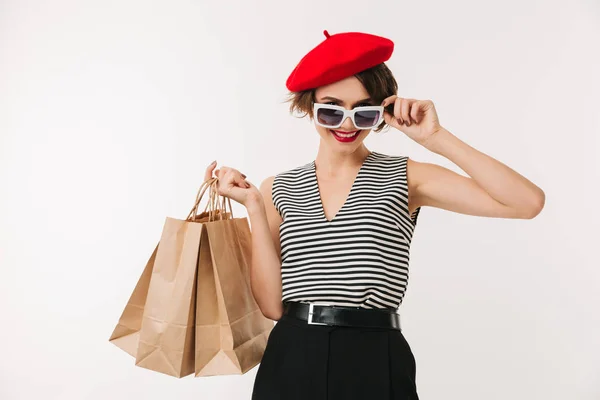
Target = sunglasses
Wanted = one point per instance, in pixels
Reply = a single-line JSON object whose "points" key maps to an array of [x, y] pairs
{"points": [[332, 116]]}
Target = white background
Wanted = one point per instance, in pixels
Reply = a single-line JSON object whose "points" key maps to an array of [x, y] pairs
{"points": [[111, 110]]}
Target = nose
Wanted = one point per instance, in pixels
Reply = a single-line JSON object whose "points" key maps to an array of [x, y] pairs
{"points": [[348, 125]]}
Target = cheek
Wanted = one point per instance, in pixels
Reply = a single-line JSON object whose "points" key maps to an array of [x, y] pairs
{"points": [[322, 131]]}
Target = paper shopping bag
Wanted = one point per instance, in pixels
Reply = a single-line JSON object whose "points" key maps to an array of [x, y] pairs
{"points": [[126, 334], [166, 339], [158, 325], [231, 331], [166, 335]]}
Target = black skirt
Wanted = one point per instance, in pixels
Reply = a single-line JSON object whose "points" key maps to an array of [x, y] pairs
{"points": [[319, 362]]}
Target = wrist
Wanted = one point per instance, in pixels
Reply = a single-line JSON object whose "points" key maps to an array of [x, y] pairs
{"points": [[436, 142], [254, 205]]}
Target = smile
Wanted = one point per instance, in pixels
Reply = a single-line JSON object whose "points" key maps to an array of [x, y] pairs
{"points": [[345, 134]]}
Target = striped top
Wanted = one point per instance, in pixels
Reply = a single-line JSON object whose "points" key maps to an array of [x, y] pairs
{"points": [[360, 257]]}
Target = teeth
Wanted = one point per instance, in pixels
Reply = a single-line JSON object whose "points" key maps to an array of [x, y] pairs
{"points": [[345, 135]]}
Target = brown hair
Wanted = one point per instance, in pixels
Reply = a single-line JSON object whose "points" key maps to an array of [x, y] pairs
{"points": [[378, 81]]}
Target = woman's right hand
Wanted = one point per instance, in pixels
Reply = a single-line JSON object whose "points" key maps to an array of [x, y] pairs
{"points": [[233, 184]]}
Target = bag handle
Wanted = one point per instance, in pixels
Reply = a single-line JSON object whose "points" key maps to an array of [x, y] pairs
{"points": [[213, 201]]}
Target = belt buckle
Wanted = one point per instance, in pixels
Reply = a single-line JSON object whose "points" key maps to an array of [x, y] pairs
{"points": [[310, 315]]}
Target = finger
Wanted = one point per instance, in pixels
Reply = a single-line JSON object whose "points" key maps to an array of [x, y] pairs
{"points": [[238, 173], [241, 182], [223, 172], [419, 111], [208, 174], [388, 100], [388, 105], [234, 177], [398, 110], [414, 111], [388, 118], [388, 109], [405, 111]]}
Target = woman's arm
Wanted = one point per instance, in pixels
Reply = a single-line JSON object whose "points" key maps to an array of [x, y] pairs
{"points": [[265, 269], [492, 190], [265, 265]]}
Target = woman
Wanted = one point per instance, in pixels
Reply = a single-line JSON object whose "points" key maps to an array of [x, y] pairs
{"points": [[331, 238]]}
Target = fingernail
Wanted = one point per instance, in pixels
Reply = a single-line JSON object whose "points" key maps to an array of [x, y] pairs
{"points": [[213, 162]]}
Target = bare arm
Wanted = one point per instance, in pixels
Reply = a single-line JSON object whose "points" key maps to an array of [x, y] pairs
{"points": [[265, 265], [491, 190], [265, 269]]}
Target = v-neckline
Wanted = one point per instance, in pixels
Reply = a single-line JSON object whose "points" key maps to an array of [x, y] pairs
{"points": [[319, 198]]}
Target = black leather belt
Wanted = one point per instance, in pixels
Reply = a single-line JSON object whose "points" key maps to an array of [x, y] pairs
{"points": [[315, 314]]}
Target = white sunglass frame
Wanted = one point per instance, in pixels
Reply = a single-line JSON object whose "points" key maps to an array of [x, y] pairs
{"points": [[347, 113]]}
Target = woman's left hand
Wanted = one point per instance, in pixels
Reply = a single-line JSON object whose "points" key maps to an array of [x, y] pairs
{"points": [[416, 118]]}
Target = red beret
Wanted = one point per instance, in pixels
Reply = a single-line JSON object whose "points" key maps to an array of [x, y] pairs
{"points": [[337, 57]]}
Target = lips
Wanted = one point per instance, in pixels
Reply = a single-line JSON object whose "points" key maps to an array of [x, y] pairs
{"points": [[345, 137]]}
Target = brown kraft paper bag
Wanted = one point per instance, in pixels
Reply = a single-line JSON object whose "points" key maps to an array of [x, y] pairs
{"points": [[126, 334], [167, 336], [231, 331], [158, 325]]}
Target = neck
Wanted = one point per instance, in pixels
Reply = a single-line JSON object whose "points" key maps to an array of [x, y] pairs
{"points": [[334, 163]]}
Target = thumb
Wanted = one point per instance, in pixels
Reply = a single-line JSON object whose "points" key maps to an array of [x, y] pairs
{"points": [[390, 120]]}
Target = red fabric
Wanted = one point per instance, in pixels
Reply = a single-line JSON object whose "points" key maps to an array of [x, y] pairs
{"points": [[337, 57]]}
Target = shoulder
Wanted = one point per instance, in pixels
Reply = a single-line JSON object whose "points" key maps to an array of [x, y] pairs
{"points": [[292, 175], [398, 160], [377, 155], [271, 183], [412, 170], [294, 172], [405, 160], [266, 185]]}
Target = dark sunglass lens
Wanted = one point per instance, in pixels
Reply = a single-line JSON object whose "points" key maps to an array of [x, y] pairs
{"points": [[366, 119], [328, 116]]}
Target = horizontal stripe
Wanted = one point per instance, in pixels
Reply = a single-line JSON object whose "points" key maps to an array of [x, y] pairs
{"points": [[358, 259]]}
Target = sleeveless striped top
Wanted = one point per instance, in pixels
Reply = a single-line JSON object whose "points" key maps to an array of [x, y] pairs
{"points": [[359, 258]]}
